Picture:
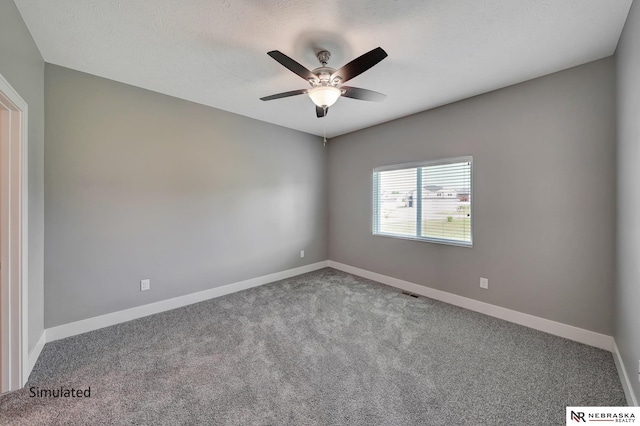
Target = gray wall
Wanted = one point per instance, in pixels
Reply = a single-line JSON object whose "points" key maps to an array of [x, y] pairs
{"points": [[544, 196], [627, 313], [22, 66], [143, 185]]}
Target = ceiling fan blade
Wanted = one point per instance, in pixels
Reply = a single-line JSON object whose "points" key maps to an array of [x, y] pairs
{"points": [[292, 65], [284, 94], [321, 112], [360, 64], [362, 94]]}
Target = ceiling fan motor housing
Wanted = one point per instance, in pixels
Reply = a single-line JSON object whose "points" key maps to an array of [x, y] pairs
{"points": [[323, 75], [324, 72]]}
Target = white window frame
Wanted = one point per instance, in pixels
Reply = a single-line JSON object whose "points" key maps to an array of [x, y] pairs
{"points": [[375, 204]]}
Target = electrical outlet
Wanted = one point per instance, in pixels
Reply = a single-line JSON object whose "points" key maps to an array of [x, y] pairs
{"points": [[145, 285], [301, 253], [484, 283]]}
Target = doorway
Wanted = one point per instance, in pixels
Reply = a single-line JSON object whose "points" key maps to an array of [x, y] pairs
{"points": [[13, 238]]}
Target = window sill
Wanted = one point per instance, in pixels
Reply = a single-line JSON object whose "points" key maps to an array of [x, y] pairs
{"points": [[428, 240]]}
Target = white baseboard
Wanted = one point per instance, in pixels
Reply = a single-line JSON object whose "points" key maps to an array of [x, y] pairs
{"points": [[624, 378], [591, 338], [581, 335], [95, 323], [33, 356]]}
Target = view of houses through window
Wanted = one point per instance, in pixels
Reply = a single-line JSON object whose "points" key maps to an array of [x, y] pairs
{"points": [[428, 201]]}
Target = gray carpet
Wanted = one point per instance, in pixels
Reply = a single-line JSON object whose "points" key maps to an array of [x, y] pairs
{"points": [[324, 348]]}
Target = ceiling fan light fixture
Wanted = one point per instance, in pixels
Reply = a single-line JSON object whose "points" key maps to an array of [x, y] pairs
{"points": [[324, 96]]}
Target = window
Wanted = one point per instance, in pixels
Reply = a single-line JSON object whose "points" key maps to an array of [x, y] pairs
{"points": [[429, 201]]}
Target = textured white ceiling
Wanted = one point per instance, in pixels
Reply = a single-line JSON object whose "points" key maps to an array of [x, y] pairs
{"points": [[215, 52]]}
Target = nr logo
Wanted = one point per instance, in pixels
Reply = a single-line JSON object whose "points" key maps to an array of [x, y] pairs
{"points": [[576, 417]]}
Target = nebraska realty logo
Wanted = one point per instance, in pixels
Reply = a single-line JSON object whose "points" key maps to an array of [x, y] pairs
{"points": [[578, 415]]}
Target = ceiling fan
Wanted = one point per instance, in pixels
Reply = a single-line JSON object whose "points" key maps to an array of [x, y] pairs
{"points": [[326, 82]]}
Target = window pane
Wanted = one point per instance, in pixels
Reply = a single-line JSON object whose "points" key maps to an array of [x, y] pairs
{"points": [[396, 193], [427, 201], [446, 201]]}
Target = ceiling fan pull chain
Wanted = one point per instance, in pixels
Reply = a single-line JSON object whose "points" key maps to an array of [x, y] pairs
{"points": [[324, 129]]}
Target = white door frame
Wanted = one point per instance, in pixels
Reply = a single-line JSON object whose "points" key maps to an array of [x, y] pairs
{"points": [[13, 223]]}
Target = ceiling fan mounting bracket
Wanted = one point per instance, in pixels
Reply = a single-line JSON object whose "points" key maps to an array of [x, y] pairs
{"points": [[324, 56]]}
